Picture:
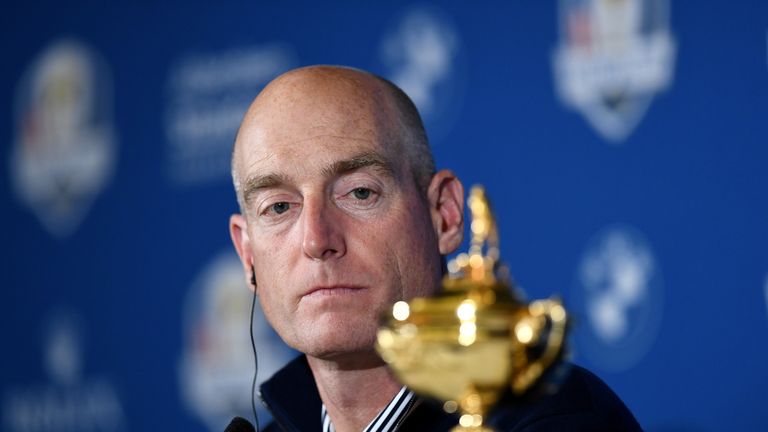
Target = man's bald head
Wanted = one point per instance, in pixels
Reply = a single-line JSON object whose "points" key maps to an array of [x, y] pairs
{"points": [[351, 92]]}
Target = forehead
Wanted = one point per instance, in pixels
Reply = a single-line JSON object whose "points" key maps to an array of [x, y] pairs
{"points": [[302, 123]]}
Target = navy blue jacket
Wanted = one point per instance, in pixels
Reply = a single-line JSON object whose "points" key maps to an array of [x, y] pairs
{"points": [[582, 403]]}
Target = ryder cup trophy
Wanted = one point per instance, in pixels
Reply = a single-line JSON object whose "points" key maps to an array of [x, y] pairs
{"points": [[476, 340]]}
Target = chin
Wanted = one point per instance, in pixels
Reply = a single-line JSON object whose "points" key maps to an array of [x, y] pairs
{"points": [[334, 344]]}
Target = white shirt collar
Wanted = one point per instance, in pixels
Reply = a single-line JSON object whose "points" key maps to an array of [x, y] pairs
{"points": [[387, 420]]}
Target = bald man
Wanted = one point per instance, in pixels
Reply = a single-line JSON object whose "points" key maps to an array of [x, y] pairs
{"points": [[341, 215]]}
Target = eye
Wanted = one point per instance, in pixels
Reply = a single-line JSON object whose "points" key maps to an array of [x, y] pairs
{"points": [[356, 194], [362, 193], [279, 207]]}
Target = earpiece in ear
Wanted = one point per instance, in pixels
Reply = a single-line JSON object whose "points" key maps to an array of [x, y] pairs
{"points": [[253, 277]]}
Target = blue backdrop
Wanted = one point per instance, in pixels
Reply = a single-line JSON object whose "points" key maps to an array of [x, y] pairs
{"points": [[623, 143]]}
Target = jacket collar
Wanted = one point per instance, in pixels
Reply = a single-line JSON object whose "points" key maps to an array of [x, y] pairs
{"points": [[291, 395]]}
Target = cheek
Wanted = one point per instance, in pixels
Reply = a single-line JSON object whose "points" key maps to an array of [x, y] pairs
{"points": [[421, 276], [277, 312], [272, 309], [423, 260], [274, 283], [416, 258]]}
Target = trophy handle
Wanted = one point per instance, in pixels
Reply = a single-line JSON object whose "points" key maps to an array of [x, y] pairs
{"points": [[539, 313]]}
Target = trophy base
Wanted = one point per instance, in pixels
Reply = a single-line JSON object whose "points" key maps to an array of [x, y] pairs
{"points": [[471, 423], [472, 429]]}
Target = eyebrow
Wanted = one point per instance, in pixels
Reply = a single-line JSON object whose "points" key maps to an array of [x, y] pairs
{"points": [[363, 160], [369, 159], [258, 182]]}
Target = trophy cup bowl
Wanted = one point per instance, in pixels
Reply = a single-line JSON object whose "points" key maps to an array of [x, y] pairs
{"points": [[475, 340]]}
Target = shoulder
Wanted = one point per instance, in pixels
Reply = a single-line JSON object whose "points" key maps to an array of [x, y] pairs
{"points": [[583, 402]]}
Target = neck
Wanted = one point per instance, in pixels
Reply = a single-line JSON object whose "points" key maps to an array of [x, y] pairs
{"points": [[354, 389]]}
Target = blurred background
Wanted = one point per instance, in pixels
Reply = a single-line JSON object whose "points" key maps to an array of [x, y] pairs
{"points": [[624, 144]]}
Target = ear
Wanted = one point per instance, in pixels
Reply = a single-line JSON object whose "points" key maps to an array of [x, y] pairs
{"points": [[446, 205], [238, 230]]}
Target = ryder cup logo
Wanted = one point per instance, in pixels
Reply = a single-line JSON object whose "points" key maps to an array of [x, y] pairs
{"points": [[68, 400], [422, 55], [614, 56], [217, 364], [64, 149], [619, 298]]}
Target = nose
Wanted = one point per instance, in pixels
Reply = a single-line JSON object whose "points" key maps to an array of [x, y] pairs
{"points": [[323, 236]]}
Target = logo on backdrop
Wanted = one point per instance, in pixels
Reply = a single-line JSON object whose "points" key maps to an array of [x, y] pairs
{"points": [[619, 298], [613, 57], [207, 97], [68, 401], [422, 55], [64, 148], [216, 367]]}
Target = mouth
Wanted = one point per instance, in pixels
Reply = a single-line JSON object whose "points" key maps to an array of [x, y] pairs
{"points": [[335, 290]]}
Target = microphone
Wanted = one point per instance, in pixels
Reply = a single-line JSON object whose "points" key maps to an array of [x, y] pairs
{"points": [[239, 424]]}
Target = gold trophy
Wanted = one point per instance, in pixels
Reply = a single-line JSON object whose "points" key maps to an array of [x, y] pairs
{"points": [[476, 339]]}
